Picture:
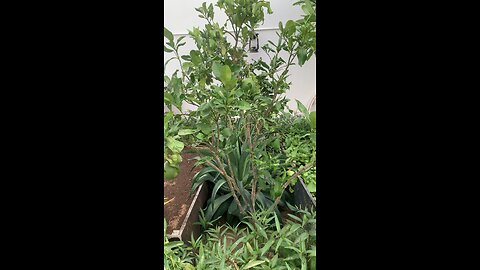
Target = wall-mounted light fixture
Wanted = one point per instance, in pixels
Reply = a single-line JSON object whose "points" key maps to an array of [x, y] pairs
{"points": [[254, 44]]}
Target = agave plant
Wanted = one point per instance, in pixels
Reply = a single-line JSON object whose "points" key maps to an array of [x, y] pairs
{"points": [[238, 167]]}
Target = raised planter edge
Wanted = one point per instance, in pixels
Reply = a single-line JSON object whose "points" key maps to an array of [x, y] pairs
{"points": [[188, 226], [302, 196]]}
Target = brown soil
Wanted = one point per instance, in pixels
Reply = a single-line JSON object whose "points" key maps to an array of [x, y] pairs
{"points": [[178, 191]]}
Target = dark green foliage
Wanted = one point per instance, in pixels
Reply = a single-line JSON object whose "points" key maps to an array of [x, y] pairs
{"points": [[300, 146], [238, 167], [307, 30], [262, 242]]}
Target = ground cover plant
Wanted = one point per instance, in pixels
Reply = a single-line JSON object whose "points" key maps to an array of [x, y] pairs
{"points": [[300, 144], [263, 244], [294, 146]]}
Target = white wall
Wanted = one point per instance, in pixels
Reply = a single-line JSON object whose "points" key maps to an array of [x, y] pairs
{"points": [[181, 16]]}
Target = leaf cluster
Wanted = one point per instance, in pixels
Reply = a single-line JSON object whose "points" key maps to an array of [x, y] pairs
{"points": [[263, 242]]}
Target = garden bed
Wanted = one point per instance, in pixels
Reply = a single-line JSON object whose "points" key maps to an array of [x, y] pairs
{"points": [[303, 197], [182, 211]]}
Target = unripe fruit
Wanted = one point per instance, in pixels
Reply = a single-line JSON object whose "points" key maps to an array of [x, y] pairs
{"points": [[169, 172], [176, 158]]}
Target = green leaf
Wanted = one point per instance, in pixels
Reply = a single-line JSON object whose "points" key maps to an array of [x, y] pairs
{"points": [[168, 34], [302, 108], [202, 176], [276, 144], [302, 237], [186, 65], [267, 246], [195, 55], [278, 244], [225, 74], [312, 187], [216, 68], [308, 9], [212, 43], [166, 117], [174, 145], [175, 244], [202, 83], [224, 50], [180, 39], [165, 49], [219, 201], [219, 92], [227, 132], [250, 249], [302, 56], [261, 230], [295, 218], [206, 129], [294, 249], [252, 263], [231, 84], [243, 105], [233, 209], [277, 223], [232, 247], [293, 229], [188, 266], [273, 261], [204, 109], [290, 27], [183, 132], [217, 186], [247, 83], [313, 119]]}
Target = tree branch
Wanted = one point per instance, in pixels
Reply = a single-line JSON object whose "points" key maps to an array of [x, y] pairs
{"points": [[277, 200]]}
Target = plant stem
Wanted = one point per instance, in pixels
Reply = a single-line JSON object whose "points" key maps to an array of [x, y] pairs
{"points": [[230, 184], [230, 180], [254, 169]]}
